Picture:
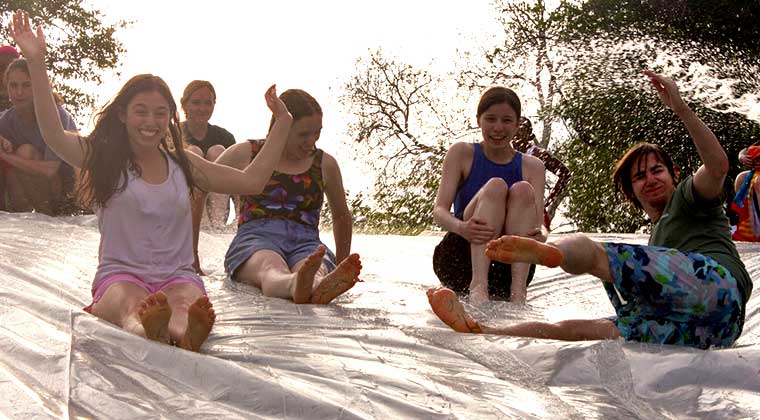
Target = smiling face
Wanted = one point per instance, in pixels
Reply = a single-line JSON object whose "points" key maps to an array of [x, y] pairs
{"points": [[200, 105], [303, 136], [19, 87], [651, 182], [498, 125], [146, 119]]}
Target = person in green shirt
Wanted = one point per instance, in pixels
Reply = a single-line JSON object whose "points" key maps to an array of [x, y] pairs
{"points": [[687, 287]]}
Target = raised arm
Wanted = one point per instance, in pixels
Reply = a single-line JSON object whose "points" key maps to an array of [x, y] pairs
{"points": [[68, 146], [252, 179], [709, 178]]}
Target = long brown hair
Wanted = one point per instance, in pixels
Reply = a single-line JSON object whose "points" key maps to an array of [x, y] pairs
{"points": [[110, 156]]}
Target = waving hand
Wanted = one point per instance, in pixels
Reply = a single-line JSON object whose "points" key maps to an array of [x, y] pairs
{"points": [[32, 43]]}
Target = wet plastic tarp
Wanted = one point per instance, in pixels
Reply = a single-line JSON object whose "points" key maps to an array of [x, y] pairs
{"points": [[377, 352]]}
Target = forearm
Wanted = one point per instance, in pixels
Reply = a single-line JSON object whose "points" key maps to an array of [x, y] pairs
{"points": [[710, 151], [44, 168], [262, 166], [342, 233], [446, 220], [45, 108]]}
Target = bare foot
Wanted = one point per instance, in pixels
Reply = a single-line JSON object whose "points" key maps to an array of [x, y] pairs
{"points": [[344, 277], [446, 305], [154, 313], [301, 289], [509, 249], [200, 319]]}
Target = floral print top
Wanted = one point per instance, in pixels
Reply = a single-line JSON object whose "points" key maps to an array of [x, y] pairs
{"points": [[286, 196]]}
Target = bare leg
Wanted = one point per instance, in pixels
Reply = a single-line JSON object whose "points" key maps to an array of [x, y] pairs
{"points": [[447, 307], [198, 203], [119, 305], [339, 281], [39, 191], [218, 204], [510, 249], [3, 183], [570, 330], [521, 205], [576, 254], [489, 206], [17, 201], [196, 207], [267, 270]]}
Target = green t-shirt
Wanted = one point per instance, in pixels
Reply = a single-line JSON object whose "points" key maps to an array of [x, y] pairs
{"points": [[701, 227]]}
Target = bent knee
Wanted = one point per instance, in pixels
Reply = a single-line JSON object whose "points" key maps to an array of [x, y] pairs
{"points": [[214, 151], [523, 193], [494, 189], [194, 150], [27, 151]]}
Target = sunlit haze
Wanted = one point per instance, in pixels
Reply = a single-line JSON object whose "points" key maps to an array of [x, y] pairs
{"points": [[243, 47]]}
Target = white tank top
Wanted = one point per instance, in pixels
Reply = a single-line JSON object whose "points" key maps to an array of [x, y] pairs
{"points": [[146, 230]]}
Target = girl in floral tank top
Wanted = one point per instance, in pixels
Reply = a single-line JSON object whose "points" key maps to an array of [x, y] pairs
{"points": [[287, 197], [277, 246]]}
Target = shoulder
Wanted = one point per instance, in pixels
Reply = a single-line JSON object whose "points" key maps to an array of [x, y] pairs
{"points": [[532, 162], [461, 150], [329, 162]]}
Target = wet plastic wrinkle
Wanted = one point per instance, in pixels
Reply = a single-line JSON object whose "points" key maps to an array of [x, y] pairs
{"points": [[377, 353]]}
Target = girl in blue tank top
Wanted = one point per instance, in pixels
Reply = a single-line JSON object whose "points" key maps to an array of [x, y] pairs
{"points": [[495, 190]]}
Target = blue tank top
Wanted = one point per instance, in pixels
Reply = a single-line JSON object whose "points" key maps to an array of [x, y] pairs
{"points": [[481, 171]]}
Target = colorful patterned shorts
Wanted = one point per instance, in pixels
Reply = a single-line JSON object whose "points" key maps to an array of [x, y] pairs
{"points": [[673, 297]]}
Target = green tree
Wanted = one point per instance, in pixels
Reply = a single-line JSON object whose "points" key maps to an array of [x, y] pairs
{"points": [[81, 47], [406, 118], [608, 106], [530, 58]]}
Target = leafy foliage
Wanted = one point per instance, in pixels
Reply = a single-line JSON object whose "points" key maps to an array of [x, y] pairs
{"points": [[80, 46], [403, 134], [608, 107], [583, 61]]}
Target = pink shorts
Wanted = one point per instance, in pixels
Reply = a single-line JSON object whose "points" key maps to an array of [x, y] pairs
{"points": [[151, 288]]}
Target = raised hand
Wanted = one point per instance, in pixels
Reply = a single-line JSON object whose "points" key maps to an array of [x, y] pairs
{"points": [[32, 44], [668, 91], [274, 103]]}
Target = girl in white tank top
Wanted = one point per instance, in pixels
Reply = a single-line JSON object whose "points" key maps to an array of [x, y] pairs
{"points": [[140, 185]]}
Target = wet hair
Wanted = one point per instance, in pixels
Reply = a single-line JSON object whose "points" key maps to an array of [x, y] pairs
{"points": [[300, 105], [192, 87], [18, 64], [498, 95], [621, 176], [110, 155]]}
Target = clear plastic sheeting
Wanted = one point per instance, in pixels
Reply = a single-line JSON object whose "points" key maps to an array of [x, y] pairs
{"points": [[377, 352]]}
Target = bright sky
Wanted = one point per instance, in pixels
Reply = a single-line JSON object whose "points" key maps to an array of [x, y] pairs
{"points": [[242, 47]]}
